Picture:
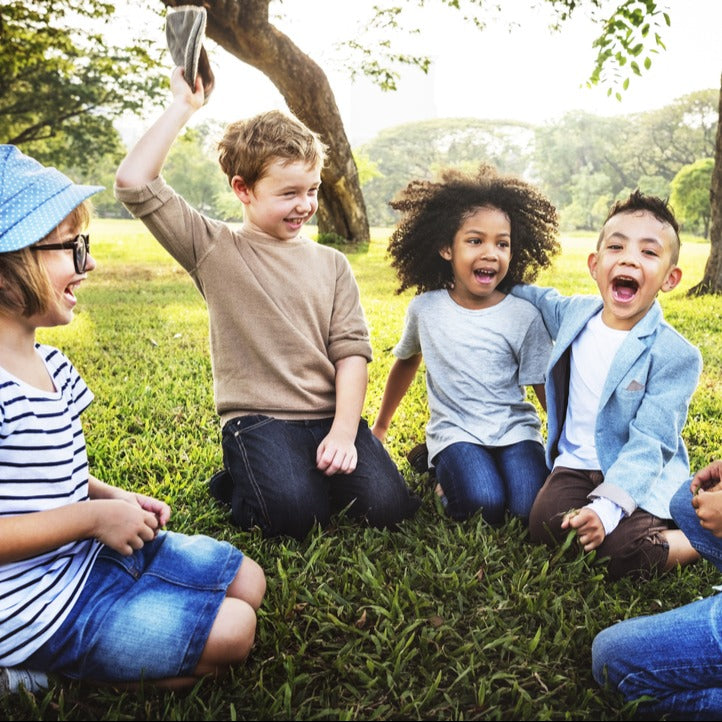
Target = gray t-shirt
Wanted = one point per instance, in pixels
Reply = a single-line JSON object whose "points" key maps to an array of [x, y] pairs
{"points": [[477, 364]]}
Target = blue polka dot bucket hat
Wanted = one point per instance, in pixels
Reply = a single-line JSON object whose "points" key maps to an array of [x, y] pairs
{"points": [[34, 199]]}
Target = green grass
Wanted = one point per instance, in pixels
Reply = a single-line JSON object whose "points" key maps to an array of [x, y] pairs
{"points": [[440, 620]]}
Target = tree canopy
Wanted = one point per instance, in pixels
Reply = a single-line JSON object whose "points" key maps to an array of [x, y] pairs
{"points": [[690, 196], [582, 161], [628, 37], [62, 84]]}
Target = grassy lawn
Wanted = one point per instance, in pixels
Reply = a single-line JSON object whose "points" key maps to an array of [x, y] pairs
{"points": [[438, 621]]}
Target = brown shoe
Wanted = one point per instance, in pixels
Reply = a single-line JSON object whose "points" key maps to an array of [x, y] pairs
{"points": [[418, 457]]}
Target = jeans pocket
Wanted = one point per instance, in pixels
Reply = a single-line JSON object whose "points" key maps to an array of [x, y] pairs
{"points": [[245, 488], [246, 424]]}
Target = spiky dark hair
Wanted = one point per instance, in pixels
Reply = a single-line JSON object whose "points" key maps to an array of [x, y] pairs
{"points": [[433, 211], [637, 201]]}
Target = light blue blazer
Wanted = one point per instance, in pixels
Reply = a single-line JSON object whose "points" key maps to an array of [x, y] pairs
{"points": [[643, 406]]}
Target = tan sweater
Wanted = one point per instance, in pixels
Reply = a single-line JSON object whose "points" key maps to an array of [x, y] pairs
{"points": [[281, 313]]}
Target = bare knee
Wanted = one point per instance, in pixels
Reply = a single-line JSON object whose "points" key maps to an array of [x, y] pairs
{"points": [[249, 584], [231, 637], [681, 550]]}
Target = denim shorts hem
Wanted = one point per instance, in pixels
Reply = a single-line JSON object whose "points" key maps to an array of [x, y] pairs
{"points": [[145, 616]]}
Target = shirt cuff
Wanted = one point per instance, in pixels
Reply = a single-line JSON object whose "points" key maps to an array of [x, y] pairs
{"points": [[608, 512]]}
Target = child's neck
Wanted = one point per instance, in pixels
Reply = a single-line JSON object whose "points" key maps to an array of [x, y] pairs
{"points": [[19, 357], [476, 303]]}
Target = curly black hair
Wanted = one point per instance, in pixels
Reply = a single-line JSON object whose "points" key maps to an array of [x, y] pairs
{"points": [[433, 211]]}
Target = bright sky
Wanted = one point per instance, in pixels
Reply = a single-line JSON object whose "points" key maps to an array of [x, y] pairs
{"points": [[529, 74]]}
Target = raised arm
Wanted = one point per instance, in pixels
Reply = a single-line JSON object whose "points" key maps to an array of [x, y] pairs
{"points": [[397, 384], [145, 161]]}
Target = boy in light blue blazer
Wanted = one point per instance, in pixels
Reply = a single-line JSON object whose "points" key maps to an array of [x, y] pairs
{"points": [[618, 388]]}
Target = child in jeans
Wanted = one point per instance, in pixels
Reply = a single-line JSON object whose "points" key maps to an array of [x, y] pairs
{"points": [[289, 342], [463, 241], [92, 587], [618, 389], [672, 659]]}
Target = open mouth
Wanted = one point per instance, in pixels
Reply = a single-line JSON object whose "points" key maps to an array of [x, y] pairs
{"points": [[624, 288], [484, 275], [70, 291], [297, 220]]}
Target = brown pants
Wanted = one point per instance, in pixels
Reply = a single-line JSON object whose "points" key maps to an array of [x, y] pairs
{"points": [[635, 547]]}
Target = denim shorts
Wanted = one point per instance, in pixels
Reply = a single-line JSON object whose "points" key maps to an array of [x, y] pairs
{"points": [[144, 616]]}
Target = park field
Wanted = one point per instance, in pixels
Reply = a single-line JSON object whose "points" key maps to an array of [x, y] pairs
{"points": [[441, 620]]}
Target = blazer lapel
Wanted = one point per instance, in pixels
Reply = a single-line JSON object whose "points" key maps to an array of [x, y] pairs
{"points": [[571, 329], [631, 349]]}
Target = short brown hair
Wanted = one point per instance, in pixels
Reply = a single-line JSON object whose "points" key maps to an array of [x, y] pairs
{"points": [[25, 287], [248, 146]]}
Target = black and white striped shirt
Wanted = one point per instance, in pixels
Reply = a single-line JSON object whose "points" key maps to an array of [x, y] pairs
{"points": [[43, 465]]}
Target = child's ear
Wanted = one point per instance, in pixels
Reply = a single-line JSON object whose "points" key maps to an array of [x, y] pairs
{"points": [[592, 264], [673, 278], [242, 191], [445, 253]]}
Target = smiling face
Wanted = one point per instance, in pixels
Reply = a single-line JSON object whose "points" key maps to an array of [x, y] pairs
{"points": [[283, 200], [64, 279], [635, 259], [479, 257]]}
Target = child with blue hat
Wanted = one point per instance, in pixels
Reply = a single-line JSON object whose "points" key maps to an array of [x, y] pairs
{"points": [[93, 588], [34, 199]]}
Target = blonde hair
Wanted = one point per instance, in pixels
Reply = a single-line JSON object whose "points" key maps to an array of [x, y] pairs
{"points": [[248, 146], [25, 286]]}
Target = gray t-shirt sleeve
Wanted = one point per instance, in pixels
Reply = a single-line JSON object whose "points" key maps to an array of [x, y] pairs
{"points": [[409, 344], [534, 352]]}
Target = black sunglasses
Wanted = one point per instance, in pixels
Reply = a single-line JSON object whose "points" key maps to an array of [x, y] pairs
{"points": [[81, 248]]}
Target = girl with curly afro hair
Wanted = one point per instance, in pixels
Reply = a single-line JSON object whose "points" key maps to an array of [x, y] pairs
{"points": [[463, 241]]}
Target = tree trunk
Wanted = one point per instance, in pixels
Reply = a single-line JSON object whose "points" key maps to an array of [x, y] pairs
{"points": [[712, 280], [241, 27]]}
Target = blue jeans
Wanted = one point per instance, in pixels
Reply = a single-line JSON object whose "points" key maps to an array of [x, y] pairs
{"points": [[277, 487], [675, 657], [491, 479], [685, 517]]}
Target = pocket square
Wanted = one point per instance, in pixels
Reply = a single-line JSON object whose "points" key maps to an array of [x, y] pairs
{"points": [[635, 386]]}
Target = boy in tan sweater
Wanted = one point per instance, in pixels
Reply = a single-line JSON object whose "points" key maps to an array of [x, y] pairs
{"points": [[289, 342]]}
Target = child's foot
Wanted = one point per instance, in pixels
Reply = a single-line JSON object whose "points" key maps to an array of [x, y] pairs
{"points": [[12, 678], [220, 486], [419, 458]]}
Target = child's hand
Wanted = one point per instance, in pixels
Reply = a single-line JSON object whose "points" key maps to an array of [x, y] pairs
{"points": [[336, 455], [707, 478], [708, 505], [182, 91], [154, 506], [589, 527], [122, 526]]}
